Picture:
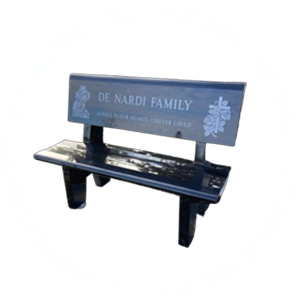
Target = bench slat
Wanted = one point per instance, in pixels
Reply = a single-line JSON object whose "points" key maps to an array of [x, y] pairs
{"points": [[176, 175], [206, 112]]}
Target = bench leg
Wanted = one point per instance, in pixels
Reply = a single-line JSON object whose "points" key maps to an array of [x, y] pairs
{"points": [[100, 180], [188, 209], [75, 182]]}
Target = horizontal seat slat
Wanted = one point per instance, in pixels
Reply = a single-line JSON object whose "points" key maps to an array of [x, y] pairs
{"points": [[175, 175]]}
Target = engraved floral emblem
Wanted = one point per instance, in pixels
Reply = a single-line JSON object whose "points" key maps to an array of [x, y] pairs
{"points": [[219, 113], [81, 97]]}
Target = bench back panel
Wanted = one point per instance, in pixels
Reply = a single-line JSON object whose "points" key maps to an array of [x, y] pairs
{"points": [[207, 112]]}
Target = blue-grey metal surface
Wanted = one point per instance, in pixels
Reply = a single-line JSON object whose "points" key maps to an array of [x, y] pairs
{"points": [[179, 176], [206, 112]]}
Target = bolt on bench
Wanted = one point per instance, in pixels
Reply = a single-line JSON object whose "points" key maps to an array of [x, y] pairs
{"points": [[205, 112]]}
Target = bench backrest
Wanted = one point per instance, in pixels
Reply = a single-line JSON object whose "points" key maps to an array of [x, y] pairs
{"points": [[206, 112]]}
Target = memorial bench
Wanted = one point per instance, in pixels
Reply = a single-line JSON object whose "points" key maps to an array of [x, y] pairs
{"points": [[205, 112]]}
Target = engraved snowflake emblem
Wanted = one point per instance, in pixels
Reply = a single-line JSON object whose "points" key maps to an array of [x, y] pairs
{"points": [[219, 113]]}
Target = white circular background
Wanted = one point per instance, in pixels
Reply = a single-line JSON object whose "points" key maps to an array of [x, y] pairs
{"points": [[194, 20]]}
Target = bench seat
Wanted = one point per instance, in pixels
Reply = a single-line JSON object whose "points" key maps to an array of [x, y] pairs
{"points": [[175, 175]]}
